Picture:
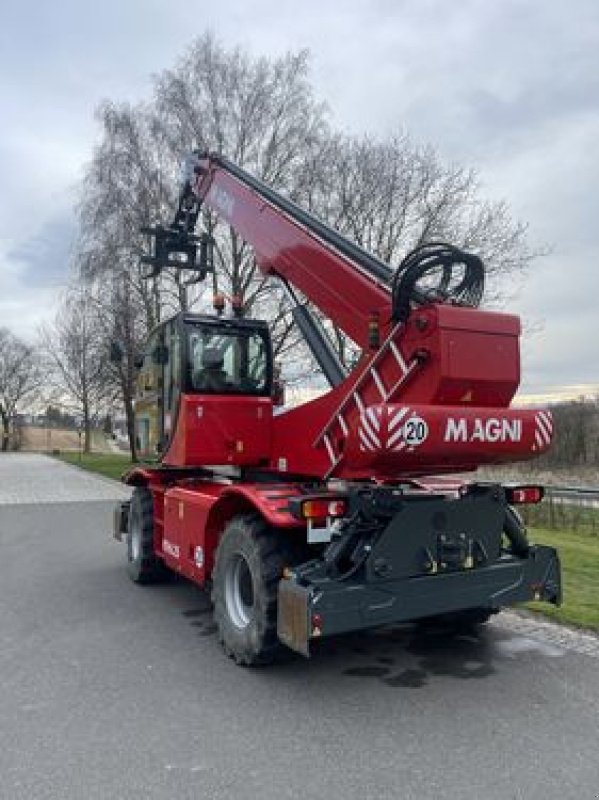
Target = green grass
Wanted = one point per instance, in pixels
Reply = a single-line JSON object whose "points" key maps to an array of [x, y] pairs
{"points": [[579, 555], [111, 465]]}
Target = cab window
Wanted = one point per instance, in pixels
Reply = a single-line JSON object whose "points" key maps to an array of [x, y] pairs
{"points": [[227, 362]]}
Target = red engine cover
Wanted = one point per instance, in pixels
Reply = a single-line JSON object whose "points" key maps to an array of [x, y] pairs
{"points": [[221, 430]]}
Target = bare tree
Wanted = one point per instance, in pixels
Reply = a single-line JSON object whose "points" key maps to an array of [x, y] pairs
{"points": [[19, 378], [77, 357], [388, 196], [258, 112], [576, 441], [120, 320], [261, 113], [391, 196]]}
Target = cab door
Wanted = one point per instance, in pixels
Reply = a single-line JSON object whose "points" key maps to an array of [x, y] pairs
{"points": [[171, 380], [148, 400]]}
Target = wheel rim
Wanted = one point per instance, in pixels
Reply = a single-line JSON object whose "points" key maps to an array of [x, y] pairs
{"points": [[239, 591], [135, 537]]}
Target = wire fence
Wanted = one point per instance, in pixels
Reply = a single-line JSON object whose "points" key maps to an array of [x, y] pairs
{"points": [[574, 508]]}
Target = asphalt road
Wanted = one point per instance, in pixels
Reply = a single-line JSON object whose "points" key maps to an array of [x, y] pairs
{"points": [[109, 690]]}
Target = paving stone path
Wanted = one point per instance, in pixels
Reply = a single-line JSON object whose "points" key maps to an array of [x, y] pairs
{"points": [[34, 478]]}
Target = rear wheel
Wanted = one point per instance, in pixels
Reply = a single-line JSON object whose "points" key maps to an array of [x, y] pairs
{"points": [[249, 563], [142, 564]]}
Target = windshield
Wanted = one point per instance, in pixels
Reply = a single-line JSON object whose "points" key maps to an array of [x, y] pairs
{"points": [[224, 361]]}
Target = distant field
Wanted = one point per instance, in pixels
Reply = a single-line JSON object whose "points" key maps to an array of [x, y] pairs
{"points": [[111, 465], [48, 439], [530, 473]]}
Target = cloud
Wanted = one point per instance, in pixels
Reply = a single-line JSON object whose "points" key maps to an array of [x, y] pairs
{"points": [[24, 308], [511, 88], [43, 260]]}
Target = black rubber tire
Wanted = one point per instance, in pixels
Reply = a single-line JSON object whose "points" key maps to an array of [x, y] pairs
{"points": [[261, 555], [142, 564]]}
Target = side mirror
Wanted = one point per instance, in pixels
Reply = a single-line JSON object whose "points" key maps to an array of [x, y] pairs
{"points": [[206, 264], [278, 387], [278, 394], [116, 352], [160, 354]]}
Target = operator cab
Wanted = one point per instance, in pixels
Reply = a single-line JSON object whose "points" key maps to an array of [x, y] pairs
{"points": [[228, 356], [204, 388]]}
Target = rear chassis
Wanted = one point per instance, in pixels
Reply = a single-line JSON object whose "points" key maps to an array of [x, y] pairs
{"points": [[399, 557], [400, 554]]}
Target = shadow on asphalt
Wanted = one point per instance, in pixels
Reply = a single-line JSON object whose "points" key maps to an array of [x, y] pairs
{"points": [[401, 656], [408, 656], [405, 656]]}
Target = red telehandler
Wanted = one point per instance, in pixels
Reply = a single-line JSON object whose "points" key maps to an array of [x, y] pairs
{"points": [[324, 518]]}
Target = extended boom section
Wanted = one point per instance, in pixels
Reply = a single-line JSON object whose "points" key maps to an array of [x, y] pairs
{"points": [[343, 281]]}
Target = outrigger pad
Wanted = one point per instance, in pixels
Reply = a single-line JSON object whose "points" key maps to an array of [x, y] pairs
{"points": [[293, 616]]}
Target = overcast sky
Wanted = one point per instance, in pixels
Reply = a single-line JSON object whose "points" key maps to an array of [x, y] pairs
{"points": [[511, 88]]}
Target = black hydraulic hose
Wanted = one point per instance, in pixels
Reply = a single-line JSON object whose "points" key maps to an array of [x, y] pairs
{"points": [[437, 261], [345, 576], [347, 547], [516, 533]]}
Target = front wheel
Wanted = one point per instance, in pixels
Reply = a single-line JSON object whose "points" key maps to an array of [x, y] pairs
{"points": [[249, 564], [142, 564]]}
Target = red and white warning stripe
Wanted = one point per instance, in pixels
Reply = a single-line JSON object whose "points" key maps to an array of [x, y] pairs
{"points": [[370, 434], [543, 430], [369, 430], [395, 439]]}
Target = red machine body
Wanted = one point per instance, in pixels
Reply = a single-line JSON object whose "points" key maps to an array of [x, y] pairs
{"points": [[430, 394], [190, 513], [442, 357], [233, 431]]}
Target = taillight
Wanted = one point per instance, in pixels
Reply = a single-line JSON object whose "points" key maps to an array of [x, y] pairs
{"points": [[516, 495], [321, 508], [318, 507]]}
